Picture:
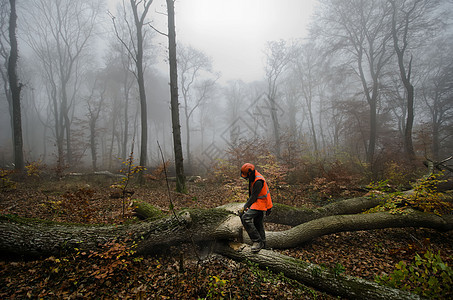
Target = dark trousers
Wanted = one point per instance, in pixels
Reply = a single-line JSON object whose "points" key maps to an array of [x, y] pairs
{"points": [[252, 220]]}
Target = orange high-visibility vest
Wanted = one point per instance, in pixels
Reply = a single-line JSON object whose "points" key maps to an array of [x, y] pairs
{"points": [[264, 201]]}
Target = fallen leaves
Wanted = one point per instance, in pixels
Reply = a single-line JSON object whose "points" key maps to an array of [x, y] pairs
{"points": [[112, 272]]}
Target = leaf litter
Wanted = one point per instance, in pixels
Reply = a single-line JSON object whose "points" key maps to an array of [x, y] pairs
{"points": [[178, 273]]}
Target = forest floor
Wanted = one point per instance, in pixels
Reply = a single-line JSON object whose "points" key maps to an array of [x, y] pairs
{"points": [[178, 273]]}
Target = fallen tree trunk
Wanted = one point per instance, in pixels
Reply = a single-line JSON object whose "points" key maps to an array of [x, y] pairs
{"points": [[31, 238], [42, 238], [308, 231], [313, 275], [333, 224], [292, 216], [287, 215], [338, 223]]}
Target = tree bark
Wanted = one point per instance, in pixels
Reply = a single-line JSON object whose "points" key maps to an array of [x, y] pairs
{"points": [[333, 224], [180, 177], [43, 238], [405, 78], [35, 238], [313, 275], [293, 216], [288, 215], [139, 23], [15, 88]]}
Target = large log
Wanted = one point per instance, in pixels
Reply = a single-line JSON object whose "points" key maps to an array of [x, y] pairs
{"points": [[313, 275], [307, 231], [310, 230], [293, 216], [287, 215], [26, 237], [41, 238]]}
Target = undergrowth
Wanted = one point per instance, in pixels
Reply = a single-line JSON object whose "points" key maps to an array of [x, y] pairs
{"points": [[428, 275], [424, 197]]}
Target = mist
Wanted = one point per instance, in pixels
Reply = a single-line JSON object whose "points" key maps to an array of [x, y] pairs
{"points": [[299, 80]]}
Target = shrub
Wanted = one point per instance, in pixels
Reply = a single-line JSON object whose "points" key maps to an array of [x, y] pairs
{"points": [[6, 183], [274, 172], [217, 288], [34, 168], [396, 174], [425, 197], [427, 276]]}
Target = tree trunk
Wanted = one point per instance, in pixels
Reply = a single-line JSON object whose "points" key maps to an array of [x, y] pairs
{"points": [[64, 113], [373, 128], [274, 118], [181, 180], [312, 127], [34, 238], [141, 89], [405, 76], [435, 145], [186, 112], [126, 89], [408, 145], [287, 215], [307, 231], [93, 144], [15, 90], [313, 275]]}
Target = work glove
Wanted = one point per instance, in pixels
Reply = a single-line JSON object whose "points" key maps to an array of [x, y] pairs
{"points": [[241, 212], [268, 212]]}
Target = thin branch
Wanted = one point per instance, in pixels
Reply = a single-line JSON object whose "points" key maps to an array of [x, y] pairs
{"points": [[158, 31]]}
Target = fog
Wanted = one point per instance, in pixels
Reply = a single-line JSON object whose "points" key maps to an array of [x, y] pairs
{"points": [[295, 79], [234, 33]]}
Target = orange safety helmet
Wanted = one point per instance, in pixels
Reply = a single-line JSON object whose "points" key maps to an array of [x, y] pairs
{"points": [[246, 168]]}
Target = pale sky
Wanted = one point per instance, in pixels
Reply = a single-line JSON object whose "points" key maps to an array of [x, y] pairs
{"points": [[234, 32]]}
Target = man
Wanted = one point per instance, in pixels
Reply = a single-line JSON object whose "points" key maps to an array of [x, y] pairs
{"points": [[258, 203]]}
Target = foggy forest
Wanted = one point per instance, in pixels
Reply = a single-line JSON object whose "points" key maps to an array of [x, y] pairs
{"points": [[112, 100], [343, 90]]}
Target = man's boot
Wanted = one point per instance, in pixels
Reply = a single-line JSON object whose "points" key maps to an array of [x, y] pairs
{"points": [[257, 246]]}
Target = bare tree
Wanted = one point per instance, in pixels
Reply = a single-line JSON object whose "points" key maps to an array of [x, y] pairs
{"points": [[134, 42], [437, 95], [4, 52], [15, 88], [59, 34], [307, 67], [409, 19], [95, 101], [359, 29], [120, 69], [193, 64], [234, 92], [177, 145], [278, 56], [126, 87]]}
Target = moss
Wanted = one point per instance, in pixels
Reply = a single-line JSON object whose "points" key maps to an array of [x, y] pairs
{"points": [[202, 216], [148, 211], [30, 221], [291, 208]]}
